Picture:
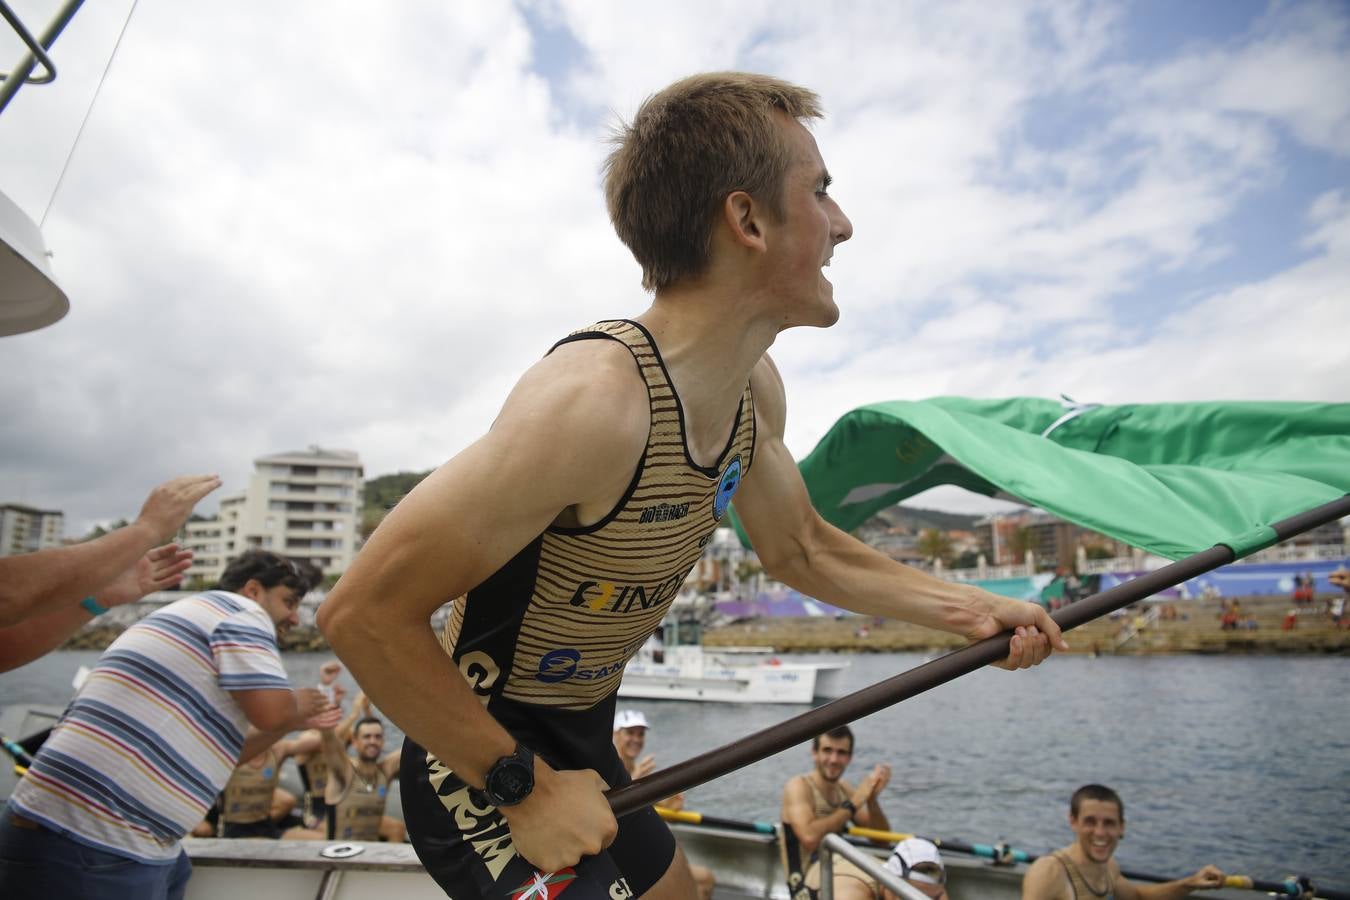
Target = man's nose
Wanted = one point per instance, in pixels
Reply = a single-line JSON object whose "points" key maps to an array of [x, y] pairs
{"points": [[841, 228]]}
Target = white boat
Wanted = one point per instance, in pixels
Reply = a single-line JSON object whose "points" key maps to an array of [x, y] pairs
{"points": [[674, 665], [746, 865]]}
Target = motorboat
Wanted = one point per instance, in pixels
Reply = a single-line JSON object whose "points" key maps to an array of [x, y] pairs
{"points": [[675, 665]]}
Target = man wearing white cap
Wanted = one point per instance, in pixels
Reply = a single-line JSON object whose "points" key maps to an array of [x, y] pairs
{"points": [[630, 737], [919, 863]]}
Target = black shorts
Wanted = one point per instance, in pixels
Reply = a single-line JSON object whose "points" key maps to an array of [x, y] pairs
{"points": [[264, 829], [466, 847]]}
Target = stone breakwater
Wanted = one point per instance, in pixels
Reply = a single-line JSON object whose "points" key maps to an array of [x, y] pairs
{"points": [[1194, 628]]}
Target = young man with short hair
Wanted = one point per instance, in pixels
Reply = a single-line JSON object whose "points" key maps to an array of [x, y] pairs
{"points": [[358, 789], [821, 803], [1087, 868], [151, 738], [545, 527]]}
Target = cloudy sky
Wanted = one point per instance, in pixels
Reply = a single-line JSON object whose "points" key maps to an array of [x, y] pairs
{"points": [[351, 225]]}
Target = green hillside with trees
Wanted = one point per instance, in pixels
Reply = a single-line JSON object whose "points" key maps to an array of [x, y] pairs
{"points": [[383, 493]]}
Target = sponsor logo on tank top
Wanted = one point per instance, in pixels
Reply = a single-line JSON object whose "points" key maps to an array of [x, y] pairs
{"points": [[621, 598], [565, 663], [726, 487], [663, 512]]}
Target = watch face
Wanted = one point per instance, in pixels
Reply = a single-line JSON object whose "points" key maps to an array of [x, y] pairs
{"points": [[510, 781]]}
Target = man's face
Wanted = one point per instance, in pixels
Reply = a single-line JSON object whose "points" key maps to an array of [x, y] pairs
{"points": [[802, 244], [280, 603], [927, 887], [832, 757], [369, 741], [1099, 827], [630, 741]]}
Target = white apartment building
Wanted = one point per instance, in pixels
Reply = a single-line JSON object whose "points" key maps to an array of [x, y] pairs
{"points": [[305, 505], [24, 529]]}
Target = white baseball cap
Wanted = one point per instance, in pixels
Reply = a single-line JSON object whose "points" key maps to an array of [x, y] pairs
{"points": [[630, 718], [912, 852]]}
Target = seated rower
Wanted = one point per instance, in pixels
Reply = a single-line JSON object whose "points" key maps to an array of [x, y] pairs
{"points": [[358, 789], [311, 763], [812, 807], [630, 737], [253, 804], [1087, 869], [919, 863]]}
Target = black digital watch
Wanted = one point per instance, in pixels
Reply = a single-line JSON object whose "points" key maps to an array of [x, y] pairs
{"points": [[511, 778]]}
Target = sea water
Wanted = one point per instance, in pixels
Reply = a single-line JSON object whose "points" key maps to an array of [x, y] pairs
{"points": [[1240, 761]]}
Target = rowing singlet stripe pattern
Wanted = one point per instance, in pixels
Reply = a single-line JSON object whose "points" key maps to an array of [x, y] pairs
{"points": [[555, 626]]}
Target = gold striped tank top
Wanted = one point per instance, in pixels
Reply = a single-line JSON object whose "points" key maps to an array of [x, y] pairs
{"points": [[554, 627]]}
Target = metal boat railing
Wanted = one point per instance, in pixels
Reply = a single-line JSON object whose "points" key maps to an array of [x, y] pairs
{"points": [[833, 844]]}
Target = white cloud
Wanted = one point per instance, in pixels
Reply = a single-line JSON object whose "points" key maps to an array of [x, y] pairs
{"points": [[307, 223]]}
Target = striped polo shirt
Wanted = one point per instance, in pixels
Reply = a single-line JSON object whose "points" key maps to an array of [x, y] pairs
{"points": [[153, 734]]}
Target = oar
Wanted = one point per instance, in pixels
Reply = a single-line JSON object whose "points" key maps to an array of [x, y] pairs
{"points": [[1000, 853], [1290, 887], [15, 749], [751, 749]]}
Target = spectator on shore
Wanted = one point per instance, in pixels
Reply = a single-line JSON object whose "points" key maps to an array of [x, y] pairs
{"points": [[820, 803], [1087, 868], [181, 686], [1340, 578], [1290, 619], [46, 596]]}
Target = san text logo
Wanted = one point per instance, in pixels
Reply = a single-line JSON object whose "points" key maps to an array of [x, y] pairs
{"points": [[565, 663]]}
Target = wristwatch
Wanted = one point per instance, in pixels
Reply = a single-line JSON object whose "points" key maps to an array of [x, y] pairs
{"points": [[848, 805], [511, 778]]}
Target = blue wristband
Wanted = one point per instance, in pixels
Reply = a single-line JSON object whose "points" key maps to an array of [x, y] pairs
{"points": [[93, 606]]}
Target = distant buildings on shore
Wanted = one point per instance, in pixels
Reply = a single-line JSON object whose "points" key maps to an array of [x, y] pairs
{"points": [[24, 529], [304, 505]]}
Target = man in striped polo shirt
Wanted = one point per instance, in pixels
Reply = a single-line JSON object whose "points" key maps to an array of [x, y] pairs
{"points": [[152, 737]]}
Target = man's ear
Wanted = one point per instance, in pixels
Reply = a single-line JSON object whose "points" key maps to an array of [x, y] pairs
{"points": [[744, 220], [253, 589]]}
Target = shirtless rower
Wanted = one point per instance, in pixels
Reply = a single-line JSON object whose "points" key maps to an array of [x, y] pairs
{"points": [[358, 789], [311, 762], [630, 738], [1087, 868], [821, 803], [253, 803]]}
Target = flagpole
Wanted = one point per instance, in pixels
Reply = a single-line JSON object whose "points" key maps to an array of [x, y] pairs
{"points": [[798, 729]]}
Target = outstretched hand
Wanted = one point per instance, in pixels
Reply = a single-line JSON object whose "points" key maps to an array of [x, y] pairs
{"points": [[328, 718], [170, 504], [1035, 634], [158, 570]]}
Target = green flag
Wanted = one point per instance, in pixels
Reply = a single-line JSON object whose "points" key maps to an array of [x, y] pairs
{"points": [[1170, 478]]}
